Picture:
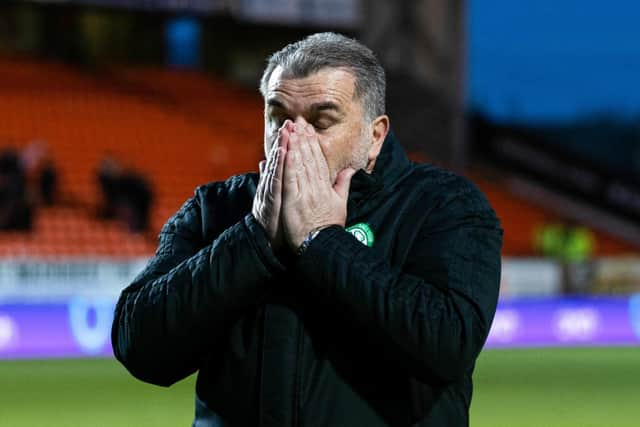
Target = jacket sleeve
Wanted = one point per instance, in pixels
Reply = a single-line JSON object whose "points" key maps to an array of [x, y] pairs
{"points": [[178, 308], [434, 314]]}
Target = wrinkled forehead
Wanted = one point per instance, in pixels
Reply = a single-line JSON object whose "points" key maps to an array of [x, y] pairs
{"points": [[327, 85]]}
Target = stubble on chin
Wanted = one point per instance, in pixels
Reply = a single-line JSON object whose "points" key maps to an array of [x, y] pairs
{"points": [[360, 158]]}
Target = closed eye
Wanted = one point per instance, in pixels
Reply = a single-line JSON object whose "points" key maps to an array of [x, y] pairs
{"points": [[323, 123], [321, 127]]}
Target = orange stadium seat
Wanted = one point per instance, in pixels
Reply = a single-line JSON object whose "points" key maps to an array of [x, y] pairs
{"points": [[164, 124]]}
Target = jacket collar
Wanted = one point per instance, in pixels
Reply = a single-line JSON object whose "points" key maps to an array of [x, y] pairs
{"points": [[391, 165]]}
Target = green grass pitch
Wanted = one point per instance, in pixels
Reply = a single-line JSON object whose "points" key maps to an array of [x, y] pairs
{"points": [[523, 388]]}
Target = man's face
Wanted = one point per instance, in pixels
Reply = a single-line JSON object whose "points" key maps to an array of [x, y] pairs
{"points": [[325, 100]]}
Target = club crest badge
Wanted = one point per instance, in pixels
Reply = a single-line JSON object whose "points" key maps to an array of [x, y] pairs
{"points": [[363, 233]]}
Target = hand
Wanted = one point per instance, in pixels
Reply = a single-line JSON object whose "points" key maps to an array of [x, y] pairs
{"points": [[268, 199], [309, 199]]}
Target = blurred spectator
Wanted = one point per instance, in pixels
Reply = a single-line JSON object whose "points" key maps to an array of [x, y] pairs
{"points": [[127, 195], [41, 175], [109, 173], [572, 245], [49, 183], [136, 198], [566, 242], [15, 210]]}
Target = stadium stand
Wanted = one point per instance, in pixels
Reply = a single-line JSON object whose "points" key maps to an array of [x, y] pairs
{"points": [[180, 129], [521, 218], [67, 231], [177, 128]]}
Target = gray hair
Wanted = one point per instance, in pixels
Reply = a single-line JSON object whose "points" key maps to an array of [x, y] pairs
{"points": [[331, 50]]}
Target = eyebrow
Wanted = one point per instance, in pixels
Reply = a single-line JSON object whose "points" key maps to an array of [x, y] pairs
{"points": [[321, 106], [317, 107], [275, 103]]}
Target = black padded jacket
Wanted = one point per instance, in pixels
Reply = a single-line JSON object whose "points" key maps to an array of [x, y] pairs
{"points": [[379, 330]]}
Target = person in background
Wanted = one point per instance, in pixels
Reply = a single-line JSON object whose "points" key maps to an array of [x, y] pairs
{"points": [[16, 212], [572, 245], [108, 176], [40, 172], [126, 194], [136, 199]]}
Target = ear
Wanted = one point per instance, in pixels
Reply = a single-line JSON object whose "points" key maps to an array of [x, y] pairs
{"points": [[379, 131]]}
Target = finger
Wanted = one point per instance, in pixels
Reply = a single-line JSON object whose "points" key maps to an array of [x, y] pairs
{"points": [[288, 125], [304, 172], [265, 178], [276, 141], [273, 163], [343, 182], [271, 157], [283, 145], [275, 176], [290, 173], [308, 163], [293, 142], [273, 148], [320, 160], [283, 138], [261, 180], [279, 170]]}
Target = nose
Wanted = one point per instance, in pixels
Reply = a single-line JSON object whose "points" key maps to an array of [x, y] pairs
{"points": [[300, 124]]}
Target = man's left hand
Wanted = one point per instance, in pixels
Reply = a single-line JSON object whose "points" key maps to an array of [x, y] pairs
{"points": [[310, 200]]}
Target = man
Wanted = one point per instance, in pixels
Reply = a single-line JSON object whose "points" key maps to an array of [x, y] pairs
{"points": [[343, 286]]}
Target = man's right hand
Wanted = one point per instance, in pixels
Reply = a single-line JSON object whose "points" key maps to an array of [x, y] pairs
{"points": [[267, 202]]}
